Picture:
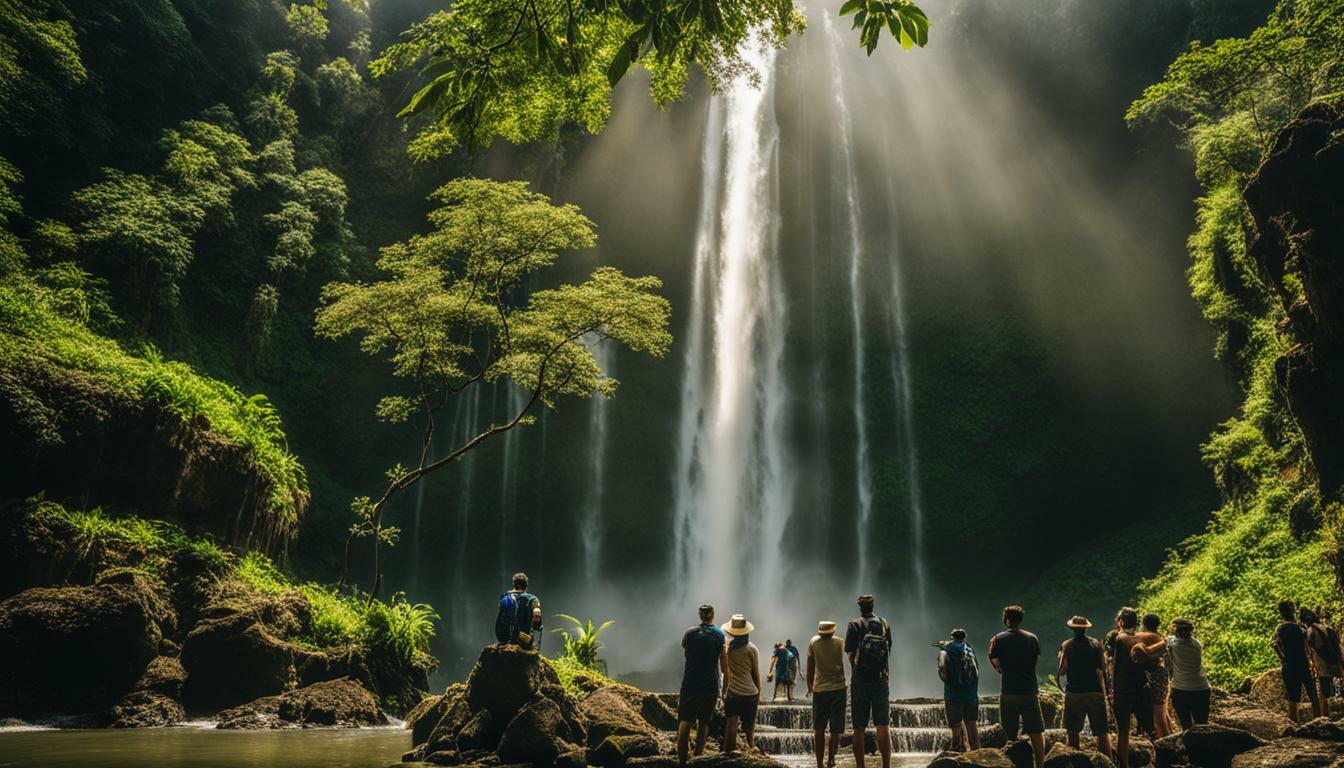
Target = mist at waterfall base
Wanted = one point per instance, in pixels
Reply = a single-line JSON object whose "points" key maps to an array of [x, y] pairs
{"points": [[933, 342]]}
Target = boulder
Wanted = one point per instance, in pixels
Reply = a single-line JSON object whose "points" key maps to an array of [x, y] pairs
{"points": [[1321, 729], [77, 649], [1267, 691], [422, 718], [616, 751], [607, 713], [1265, 724], [480, 732], [1064, 756], [575, 758], [456, 714], [650, 706], [1169, 752], [537, 734], [1020, 754], [716, 760], [219, 646], [164, 675], [339, 703], [444, 757], [333, 664], [993, 736], [505, 679], [978, 758], [1292, 753], [1214, 746], [146, 709]]}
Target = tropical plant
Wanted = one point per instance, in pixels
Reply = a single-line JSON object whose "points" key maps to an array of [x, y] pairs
{"points": [[400, 628], [451, 312], [583, 646]]}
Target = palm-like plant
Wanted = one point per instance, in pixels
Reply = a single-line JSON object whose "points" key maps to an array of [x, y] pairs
{"points": [[583, 646]]}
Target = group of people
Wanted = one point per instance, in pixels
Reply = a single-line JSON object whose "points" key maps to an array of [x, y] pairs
{"points": [[1134, 674]]}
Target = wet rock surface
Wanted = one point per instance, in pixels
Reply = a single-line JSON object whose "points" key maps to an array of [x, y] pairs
{"points": [[336, 703]]}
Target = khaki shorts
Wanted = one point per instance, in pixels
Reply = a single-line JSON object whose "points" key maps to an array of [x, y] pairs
{"points": [[1090, 707]]}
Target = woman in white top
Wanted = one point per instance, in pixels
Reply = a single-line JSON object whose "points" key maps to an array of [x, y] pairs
{"points": [[742, 685], [1190, 692]]}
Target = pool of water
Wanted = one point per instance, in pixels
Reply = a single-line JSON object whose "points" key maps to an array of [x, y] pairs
{"points": [[203, 748]]}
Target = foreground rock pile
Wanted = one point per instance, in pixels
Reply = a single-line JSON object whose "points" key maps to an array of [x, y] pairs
{"points": [[513, 710]]}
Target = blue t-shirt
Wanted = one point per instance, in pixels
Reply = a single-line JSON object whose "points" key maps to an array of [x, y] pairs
{"points": [[704, 645], [952, 655], [783, 663]]}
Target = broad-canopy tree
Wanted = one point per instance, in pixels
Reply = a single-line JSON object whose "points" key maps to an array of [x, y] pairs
{"points": [[451, 311], [519, 69]]}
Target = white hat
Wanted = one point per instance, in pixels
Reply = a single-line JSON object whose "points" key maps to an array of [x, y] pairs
{"points": [[738, 626]]}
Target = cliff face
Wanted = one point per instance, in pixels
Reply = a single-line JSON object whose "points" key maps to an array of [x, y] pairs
{"points": [[1296, 203], [76, 439]]}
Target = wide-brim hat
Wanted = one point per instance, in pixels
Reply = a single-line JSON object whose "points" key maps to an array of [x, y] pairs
{"points": [[738, 626], [826, 627], [1078, 622]]}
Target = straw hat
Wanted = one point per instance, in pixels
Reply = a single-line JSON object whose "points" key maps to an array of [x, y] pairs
{"points": [[826, 627], [738, 626], [1078, 622]]}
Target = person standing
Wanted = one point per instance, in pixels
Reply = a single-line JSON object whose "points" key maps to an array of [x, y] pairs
{"points": [[1131, 695], [826, 687], [796, 666], [1290, 643], [781, 671], [518, 621], [1323, 640], [703, 646], [868, 644], [742, 684], [961, 691], [1158, 681], [1190, 690], [1082, 665], [1014, 652]]}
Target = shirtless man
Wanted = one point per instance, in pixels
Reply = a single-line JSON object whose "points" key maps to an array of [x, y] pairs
{"points": [[1130, 692]]}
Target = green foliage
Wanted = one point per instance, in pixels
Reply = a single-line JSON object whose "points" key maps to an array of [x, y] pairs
{"points": [[907, 23], [521, 68], [1230, 98], [105, 541], [306, 23], [577, 679], [33, 327], [583, 645], [400, 628], [39, 57]]}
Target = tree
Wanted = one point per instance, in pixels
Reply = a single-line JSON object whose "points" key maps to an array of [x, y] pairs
{"points": [[518, 69], [451, 312]]}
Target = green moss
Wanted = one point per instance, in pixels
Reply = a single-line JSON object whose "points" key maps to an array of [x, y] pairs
{"points": [[577, 679], [33, 327]]}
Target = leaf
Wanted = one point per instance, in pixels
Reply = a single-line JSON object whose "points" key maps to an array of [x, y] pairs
{"points": [[851, 6], [428, 95], [616, 70]]}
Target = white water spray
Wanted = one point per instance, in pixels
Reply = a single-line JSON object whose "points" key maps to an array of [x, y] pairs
{"points": [[590, 524]]}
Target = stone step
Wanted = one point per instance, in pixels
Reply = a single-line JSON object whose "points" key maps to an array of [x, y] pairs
{"points": [[798, 715], [790, 741]]}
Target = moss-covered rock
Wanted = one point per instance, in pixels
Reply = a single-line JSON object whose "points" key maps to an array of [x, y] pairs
{"points": [[336, 703]]}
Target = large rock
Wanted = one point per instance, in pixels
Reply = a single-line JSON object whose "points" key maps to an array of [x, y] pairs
{"points": [[77, 649], [651, 706], [979, 758], [608, 713], [616, 751], [218, 648], [1214, 746], [1064, 756], [1267, 691], [1020, 754], [1265, 724], [146, 709], [480, 733], [164, 675], [1320, 729], [422, 718], [341, 703], [505, 679], [1292, 753], [537, 734], [456, 715]]}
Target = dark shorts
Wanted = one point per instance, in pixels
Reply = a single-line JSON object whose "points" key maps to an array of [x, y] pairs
{"points": [[1138, 703], [783, 679], [744, 708], [696, 707], [1192, 707], [869, 700], [1085, 707], [1297, 680], [959, 712], [828, 710], [1020, 710]]}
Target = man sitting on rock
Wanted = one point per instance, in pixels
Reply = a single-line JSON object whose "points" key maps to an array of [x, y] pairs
{"points": [[519, 619], [705, 659]]}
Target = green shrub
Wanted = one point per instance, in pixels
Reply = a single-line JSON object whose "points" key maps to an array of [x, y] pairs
{"points": [[578, 680], [399, 628], [583, 646]]}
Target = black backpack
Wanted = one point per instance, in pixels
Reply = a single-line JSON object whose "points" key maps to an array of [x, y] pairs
{"points": [[704, 641], [962, 671], [873, 648]]}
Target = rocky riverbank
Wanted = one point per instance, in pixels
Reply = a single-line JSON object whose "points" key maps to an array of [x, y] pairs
{"points": [[117, 624]]}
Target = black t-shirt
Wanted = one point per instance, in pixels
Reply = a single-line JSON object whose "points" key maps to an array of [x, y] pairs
{"points": [[854, 635], [1017, 652], [1292, 638], [1083, 656]]}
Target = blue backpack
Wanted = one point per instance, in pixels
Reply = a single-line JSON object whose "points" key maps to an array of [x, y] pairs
{"points": [[513, 623], [961, 669]]}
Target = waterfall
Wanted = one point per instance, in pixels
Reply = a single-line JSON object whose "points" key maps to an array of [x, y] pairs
{"points": [[862, 459], [590, 524], [464, 428], [733, 482]]}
